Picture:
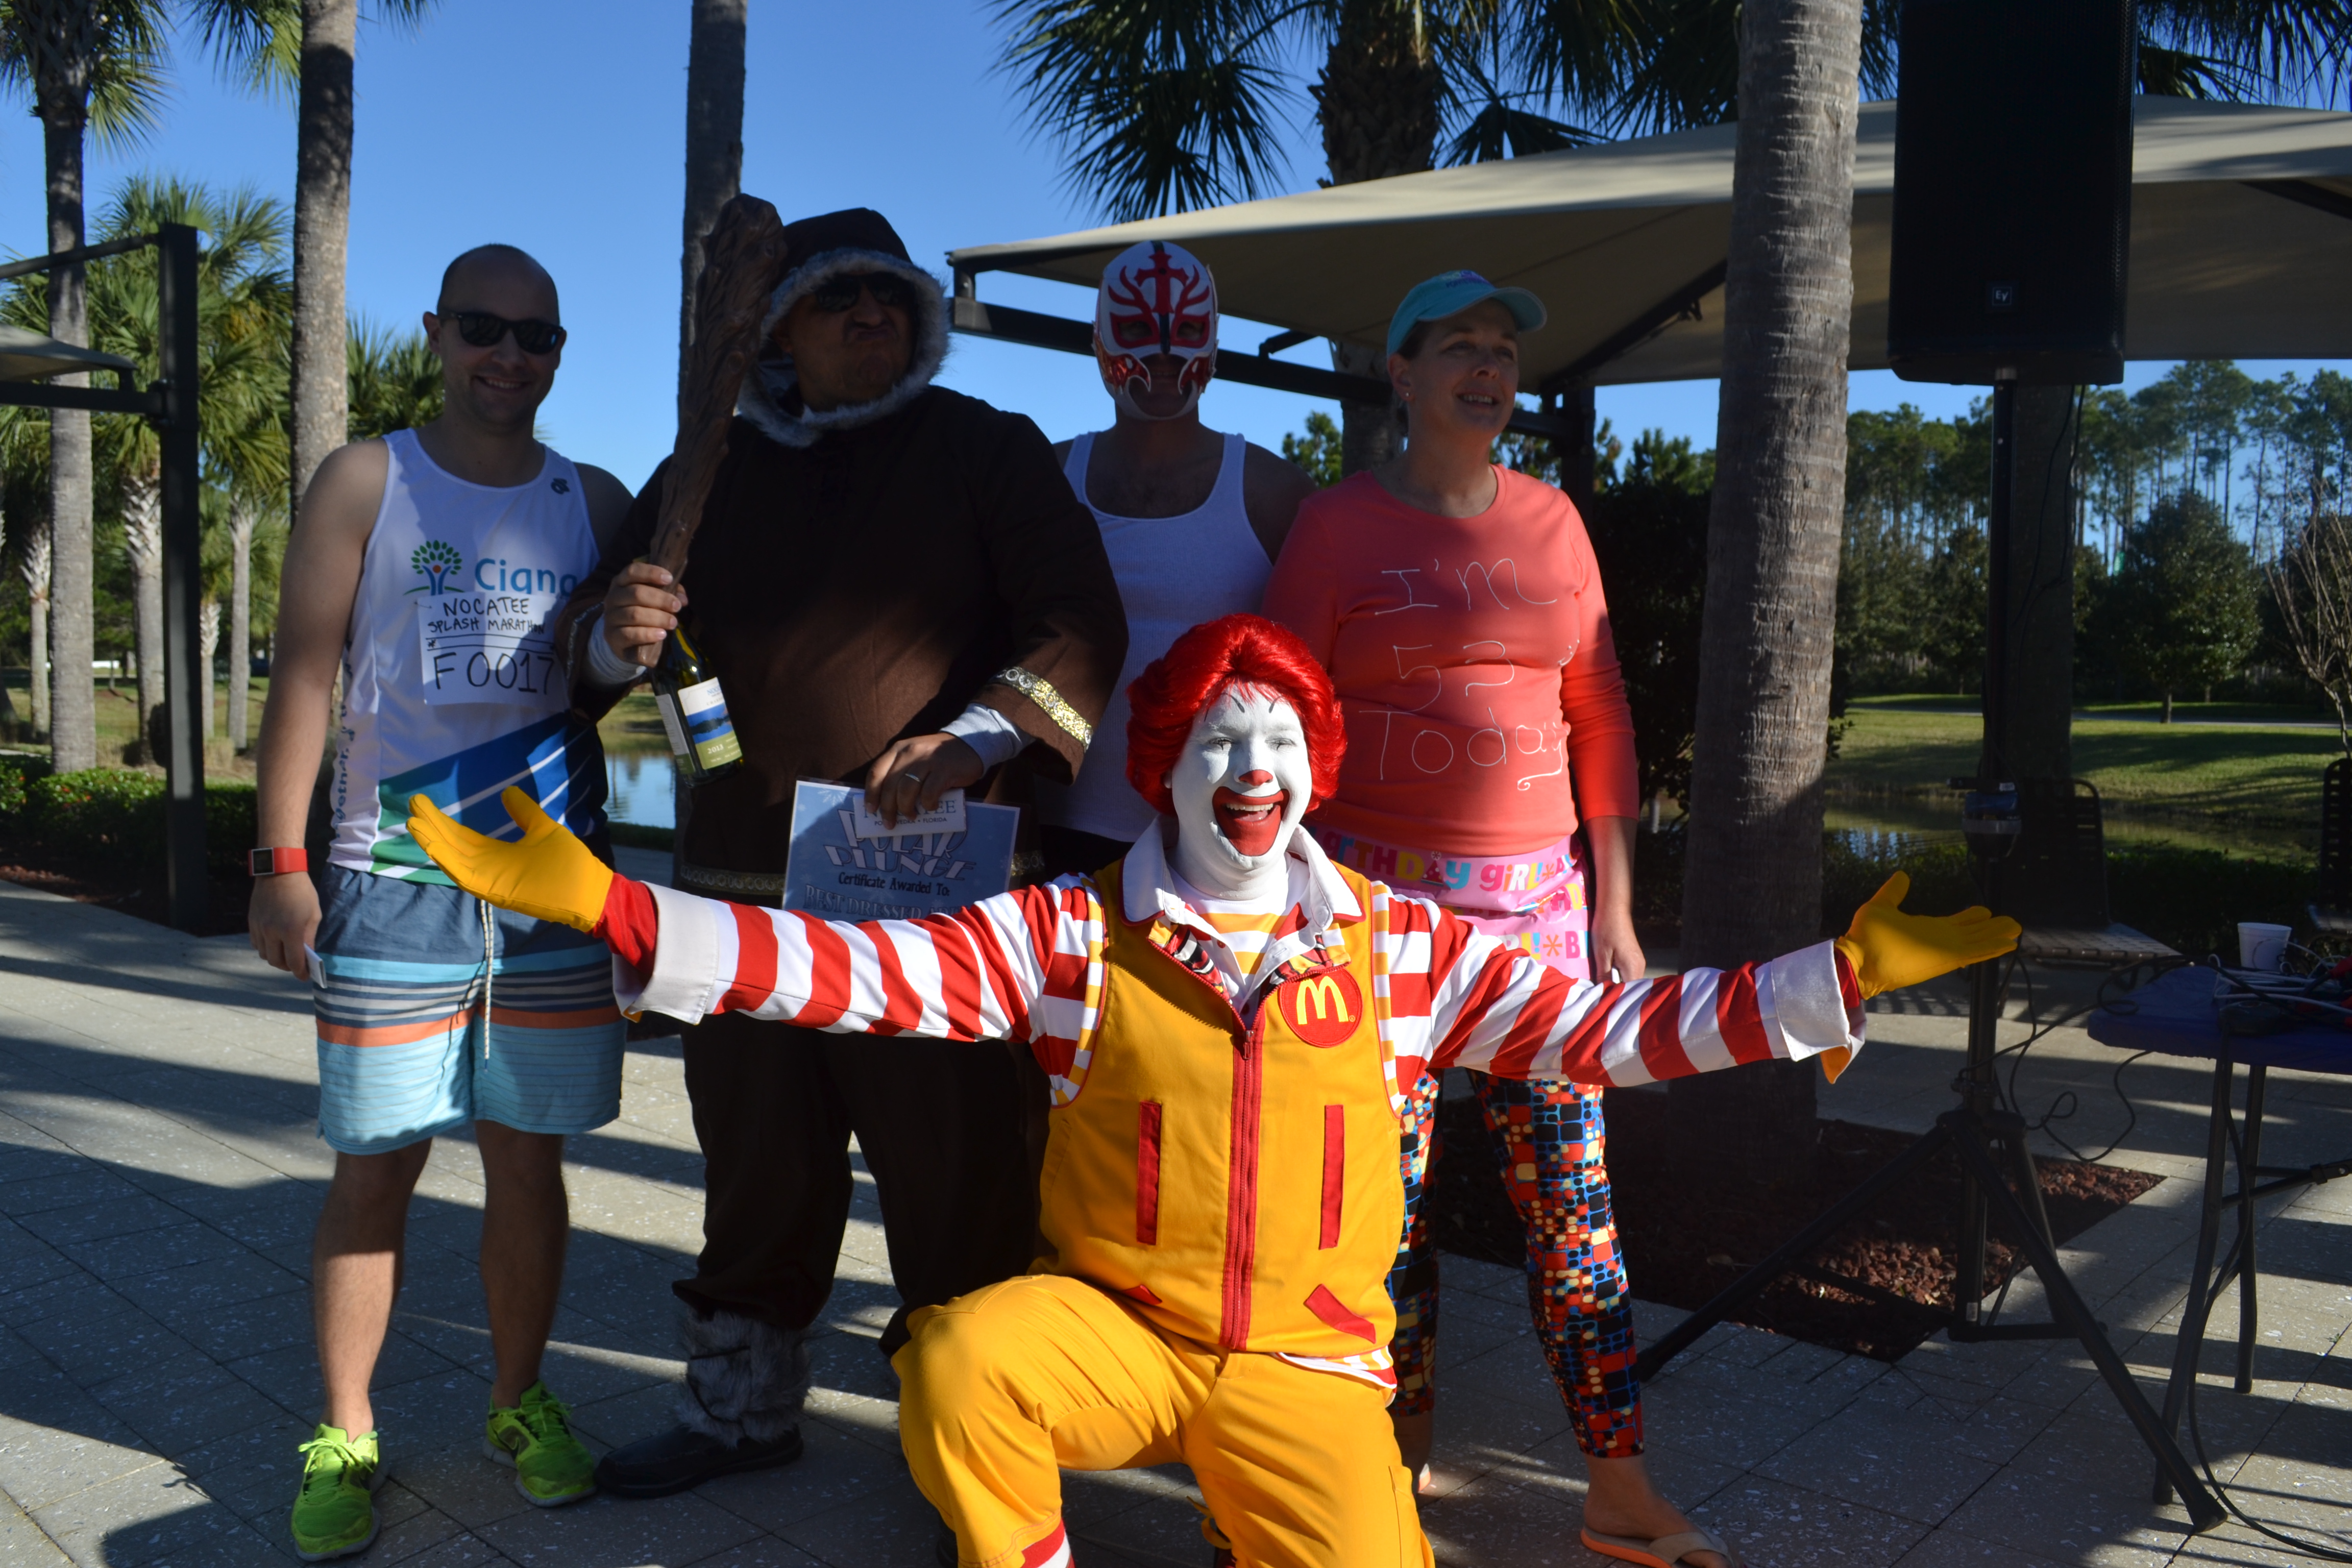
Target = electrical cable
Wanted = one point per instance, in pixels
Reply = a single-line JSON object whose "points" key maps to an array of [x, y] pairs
{"points": [[2064, 1104]]}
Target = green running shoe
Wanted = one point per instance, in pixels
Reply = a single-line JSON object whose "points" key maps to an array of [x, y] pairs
{"points": [[535, 1439], [334, 1515]]}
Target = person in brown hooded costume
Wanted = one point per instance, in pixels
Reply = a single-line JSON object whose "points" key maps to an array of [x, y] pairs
{"points": [[898, 590]]}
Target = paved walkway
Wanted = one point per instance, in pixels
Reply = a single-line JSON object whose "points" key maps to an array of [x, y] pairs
{"points": [[159, 1175]]}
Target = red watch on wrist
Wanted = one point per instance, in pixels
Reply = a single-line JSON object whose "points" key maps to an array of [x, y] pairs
{"points": [[277, 862]]}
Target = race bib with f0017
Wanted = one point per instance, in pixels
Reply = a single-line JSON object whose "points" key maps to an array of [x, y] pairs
{"points": [[490, 647]]}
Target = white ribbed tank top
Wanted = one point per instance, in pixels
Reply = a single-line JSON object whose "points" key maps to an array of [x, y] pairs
{"points": [[450, 688], [1174, 573]]}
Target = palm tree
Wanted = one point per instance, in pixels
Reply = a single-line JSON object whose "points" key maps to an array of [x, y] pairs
{"points": [[86, 68], [241, 309], [714, 141], [1752, 880], [25, 498], [322, 37], [394, 380]]}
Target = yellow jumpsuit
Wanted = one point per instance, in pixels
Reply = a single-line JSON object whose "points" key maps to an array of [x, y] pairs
{"points": [[1219, 1205]]}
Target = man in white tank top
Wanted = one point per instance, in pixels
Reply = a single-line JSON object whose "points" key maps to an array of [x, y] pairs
{"points": [[428, 565], [1192, 520]]}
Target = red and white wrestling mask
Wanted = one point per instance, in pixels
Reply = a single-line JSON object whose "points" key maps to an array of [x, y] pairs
{"points": [[1157, 303], [1245, 779]]}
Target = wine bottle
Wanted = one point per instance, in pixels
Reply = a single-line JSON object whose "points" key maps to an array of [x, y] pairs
{"points": [[694, 712]]}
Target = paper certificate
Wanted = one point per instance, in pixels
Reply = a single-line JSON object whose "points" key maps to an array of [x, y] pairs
{"points": [[834, 872], [490, 647]]}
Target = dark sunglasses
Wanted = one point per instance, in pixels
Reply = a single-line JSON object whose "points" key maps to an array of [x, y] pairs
{"points": [[483, 330], [890, 291]]}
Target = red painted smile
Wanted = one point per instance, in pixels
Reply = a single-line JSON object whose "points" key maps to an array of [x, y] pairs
{"points": [[1250, 821]]}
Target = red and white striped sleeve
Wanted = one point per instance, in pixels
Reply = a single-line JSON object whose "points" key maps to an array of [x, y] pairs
{"points": [[1458, 997], [1012, 967]]}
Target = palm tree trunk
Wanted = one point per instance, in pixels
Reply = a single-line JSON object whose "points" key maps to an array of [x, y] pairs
{"points": [[73, 714], [1752, 884], [142, 542], [240, 622], [714, 141], [207, 643], [322, 221], [33, 560], [1378, 99]]}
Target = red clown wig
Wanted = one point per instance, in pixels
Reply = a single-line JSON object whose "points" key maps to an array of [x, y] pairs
{"points": [[1200, 667]]}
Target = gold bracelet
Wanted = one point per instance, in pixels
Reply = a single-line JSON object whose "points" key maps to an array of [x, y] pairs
{"points": [[1040, 690]]}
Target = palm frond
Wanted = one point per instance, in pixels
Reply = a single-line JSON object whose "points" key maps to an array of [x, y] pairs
{"points": [[103, 66], [1496, 123], [2296, 48], [405, 15], [257, 43], [1159, 105], [2181, 73]]}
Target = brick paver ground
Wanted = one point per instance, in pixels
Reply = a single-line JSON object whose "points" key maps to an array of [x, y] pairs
{"points": [[160, 1175]]}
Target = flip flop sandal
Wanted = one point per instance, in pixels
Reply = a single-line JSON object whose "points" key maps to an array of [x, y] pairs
{"points": [[1666, 1552]]}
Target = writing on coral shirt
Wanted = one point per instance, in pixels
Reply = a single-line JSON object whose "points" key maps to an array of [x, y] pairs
{"points": [[1473, 660]]}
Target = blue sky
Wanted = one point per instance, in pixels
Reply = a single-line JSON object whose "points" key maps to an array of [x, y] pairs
{"points": [[558, 125]]}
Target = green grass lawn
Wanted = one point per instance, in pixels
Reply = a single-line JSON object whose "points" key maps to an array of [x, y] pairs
{"points": [[2247, 780], [118, 724]]}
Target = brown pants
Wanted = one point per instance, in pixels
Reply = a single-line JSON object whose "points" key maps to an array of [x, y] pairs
{"points": [[941, 1126]]}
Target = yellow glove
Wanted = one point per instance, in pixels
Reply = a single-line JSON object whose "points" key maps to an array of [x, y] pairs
{"points": [[1890, 949], [550, 876]]}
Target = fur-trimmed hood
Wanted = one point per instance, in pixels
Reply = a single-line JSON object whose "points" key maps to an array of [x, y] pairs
{"points": [[858, 240]]}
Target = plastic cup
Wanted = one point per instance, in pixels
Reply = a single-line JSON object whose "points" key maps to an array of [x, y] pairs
{"points": [[2261, 945]]}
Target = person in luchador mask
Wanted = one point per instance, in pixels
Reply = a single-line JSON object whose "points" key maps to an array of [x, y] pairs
{"points": [[1229, 1021], [1192, 518]]}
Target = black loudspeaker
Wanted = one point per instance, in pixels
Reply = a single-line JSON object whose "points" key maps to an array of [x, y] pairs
{"points": [[2012, 191]]}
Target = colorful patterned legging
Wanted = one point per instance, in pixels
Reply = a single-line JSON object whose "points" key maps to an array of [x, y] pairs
{"points": [[1550, 1143]]}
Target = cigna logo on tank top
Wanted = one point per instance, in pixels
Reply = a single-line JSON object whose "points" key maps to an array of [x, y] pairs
{"points": [[443, 565]]}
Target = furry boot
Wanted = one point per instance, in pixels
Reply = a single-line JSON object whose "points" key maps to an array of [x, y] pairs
{"points": [[745, 1380]]}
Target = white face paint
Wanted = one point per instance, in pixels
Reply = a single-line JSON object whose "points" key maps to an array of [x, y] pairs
{"points": [[1243, 784]]}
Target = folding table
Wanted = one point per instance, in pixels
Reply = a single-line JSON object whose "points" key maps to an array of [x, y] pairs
{"points": [[2175, 1015]]}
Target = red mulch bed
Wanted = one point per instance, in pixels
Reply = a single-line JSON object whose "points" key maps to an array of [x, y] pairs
{"points": [[1684, 1237], [144, 897]]}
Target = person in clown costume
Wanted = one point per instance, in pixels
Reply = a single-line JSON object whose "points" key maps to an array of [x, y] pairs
{"points": [[1229, 1021]]}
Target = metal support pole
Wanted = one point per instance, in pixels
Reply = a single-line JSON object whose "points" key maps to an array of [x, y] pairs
{"points": [[2249, 1162], [2068, 1307], [1979, 1088], [186, 686], [2190, 1342]]}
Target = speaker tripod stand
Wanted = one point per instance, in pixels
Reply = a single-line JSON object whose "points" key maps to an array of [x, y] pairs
{"points": [[1974, 1132], [1988, 1138]]}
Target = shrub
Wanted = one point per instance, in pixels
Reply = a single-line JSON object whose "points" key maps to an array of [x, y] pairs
{"points": [[98, 816], [16, 775], [111, 819]]}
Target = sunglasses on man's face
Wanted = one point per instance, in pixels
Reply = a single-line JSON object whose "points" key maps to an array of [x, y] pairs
{"points": [[835, 295], [483, 330]]}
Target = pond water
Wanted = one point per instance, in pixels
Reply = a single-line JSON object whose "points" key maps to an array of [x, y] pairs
{"points": [[1871, 824], [644, 788]]}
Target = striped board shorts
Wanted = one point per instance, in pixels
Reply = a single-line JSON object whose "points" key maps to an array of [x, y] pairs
{"points": [[402, 1055]]}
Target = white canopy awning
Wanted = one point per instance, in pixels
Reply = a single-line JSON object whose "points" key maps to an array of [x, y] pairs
{"points": [[2242, 244], [28, 356]]}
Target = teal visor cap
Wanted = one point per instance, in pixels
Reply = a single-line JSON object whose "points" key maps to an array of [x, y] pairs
{"points": [[1449, 292]]}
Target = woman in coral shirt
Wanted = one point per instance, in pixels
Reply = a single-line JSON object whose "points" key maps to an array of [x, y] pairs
{"points": [[1490, 766]]}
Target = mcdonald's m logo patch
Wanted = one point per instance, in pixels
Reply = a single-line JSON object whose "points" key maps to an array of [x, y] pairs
{"points": [[1323, 1009]]}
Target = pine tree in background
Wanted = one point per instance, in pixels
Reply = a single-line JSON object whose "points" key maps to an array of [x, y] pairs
{"points": [[2183, 611]]}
